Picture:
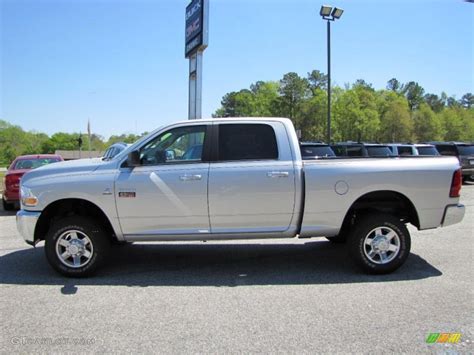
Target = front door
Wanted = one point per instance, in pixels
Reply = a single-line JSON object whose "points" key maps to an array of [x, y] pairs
{"points": [[167, 193]]}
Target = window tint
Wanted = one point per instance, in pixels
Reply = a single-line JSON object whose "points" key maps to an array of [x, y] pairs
{"points": [[446, 149], [427, 151], [179, 145], [379, 151], [405, 151], [34, 163], [354, 151], [339, 150], [247, 142], [466, 149], [316, 151]]}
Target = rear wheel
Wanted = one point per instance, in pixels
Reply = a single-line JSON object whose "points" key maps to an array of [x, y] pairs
{"points": [[380, 243], [7, 206], [76, 246]]}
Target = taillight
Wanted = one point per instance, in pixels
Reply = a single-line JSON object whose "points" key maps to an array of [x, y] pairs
{"points": [[456, 184], [13, 179]]}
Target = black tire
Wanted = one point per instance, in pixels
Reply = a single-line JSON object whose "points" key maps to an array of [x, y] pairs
{"points": [[7, 206], [338, 239], [378, 246], [98, 246]]}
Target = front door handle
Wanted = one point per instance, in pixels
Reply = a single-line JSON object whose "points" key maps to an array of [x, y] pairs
{"points": [[187, 177], [278, 174]]}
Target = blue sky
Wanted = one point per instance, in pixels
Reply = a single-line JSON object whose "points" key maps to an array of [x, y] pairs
{"points": [[121, 62]]}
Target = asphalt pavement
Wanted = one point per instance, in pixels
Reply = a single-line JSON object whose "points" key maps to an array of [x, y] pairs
{"points": [[298, 296]]}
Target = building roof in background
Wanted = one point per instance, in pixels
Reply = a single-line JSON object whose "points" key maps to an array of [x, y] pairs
{"points": [[77, 154]]}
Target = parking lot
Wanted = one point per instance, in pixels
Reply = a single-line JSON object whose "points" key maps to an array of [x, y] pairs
{"points": [[300, 296]]}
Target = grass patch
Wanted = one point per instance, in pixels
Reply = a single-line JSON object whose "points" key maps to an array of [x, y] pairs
{"points": [[2, 174]]}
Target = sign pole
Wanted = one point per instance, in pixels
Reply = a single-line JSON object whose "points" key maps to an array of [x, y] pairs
{"points": [[195, 86], [197, 24]]}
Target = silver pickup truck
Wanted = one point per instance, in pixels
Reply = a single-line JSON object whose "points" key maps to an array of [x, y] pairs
{"points": [[242, 178]]}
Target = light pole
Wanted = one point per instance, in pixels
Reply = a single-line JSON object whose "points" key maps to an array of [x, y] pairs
{"points": [[329, 14]]}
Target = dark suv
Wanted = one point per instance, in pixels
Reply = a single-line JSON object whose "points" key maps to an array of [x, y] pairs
{"points": [[354, 149], [463, 151]]}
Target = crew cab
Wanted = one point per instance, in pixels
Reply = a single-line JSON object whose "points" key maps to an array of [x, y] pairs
{"points": [[240, 178]]}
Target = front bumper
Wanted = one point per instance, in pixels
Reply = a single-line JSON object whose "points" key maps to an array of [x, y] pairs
{"points": [[26, 224], [453, 214]]}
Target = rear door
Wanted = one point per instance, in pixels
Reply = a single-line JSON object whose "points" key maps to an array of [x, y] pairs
{"points": [[252, 180]]}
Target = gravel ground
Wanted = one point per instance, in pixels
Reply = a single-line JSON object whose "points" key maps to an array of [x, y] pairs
{"points": [[301, 296]]}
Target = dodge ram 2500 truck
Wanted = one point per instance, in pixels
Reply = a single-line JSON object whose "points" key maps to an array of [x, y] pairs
{"points": [[234, 179]]}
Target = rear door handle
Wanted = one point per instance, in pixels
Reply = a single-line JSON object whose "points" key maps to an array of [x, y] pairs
{"points": [[278, 174], [187, 177]]}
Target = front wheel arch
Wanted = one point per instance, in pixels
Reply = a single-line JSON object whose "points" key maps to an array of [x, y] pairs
{"points": [[72, 207]]}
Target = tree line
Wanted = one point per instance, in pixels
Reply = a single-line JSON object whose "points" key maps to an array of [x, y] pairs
{"points": [[402, 112], [15, 141]]}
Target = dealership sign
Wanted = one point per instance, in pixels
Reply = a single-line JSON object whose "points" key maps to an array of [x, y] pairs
{"points": [[196, 26]]}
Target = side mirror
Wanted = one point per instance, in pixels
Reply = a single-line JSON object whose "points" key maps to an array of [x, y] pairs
{"points": [[133, 158]]}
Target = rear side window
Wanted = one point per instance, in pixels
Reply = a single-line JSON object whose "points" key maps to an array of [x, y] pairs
{"points": [[404, 151], [446, 149], [379, 151], [427, 151], [354, 151], [247, 142], [316, 151], [339, 150]]}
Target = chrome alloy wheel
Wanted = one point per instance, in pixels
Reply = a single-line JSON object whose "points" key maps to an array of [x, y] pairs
{"points": [[381, 245], [74, 249]]}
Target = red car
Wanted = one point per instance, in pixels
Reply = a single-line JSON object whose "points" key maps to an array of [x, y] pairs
{"points": [[21, 165]]}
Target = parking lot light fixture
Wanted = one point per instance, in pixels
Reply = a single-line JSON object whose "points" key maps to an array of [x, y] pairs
{"points": [[325, 11], [337, 13]]}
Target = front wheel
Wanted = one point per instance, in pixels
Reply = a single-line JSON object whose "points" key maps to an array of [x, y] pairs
{"points": [[380, 243], [76, 246]]}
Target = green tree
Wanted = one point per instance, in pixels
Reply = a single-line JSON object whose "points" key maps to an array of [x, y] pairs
{"points": [[434, 102], [414, 94], [467, 100], [428, 125], [293, 90], [265, 98], [396, 124], [394, 85], [317, 81]]}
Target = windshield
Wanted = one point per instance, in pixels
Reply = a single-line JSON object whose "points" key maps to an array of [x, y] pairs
{"points": [[379, 151], [427, 151], [466, 149], [33, 163], [135, 144], [316, 151]]}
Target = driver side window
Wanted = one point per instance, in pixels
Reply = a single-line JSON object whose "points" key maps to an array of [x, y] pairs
{"points": [[178, 145]]}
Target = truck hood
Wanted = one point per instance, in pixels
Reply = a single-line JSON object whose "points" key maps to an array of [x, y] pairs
{"points": [[64, 167]]}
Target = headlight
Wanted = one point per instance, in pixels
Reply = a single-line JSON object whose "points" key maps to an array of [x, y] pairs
{"points": [[27, 197]]}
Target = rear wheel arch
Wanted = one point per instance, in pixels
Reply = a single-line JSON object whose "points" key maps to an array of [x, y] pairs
{"points": [[383, 201], [63, 208]]}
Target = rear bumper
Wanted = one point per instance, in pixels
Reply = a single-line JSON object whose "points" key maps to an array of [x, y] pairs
{"points": [[26, 223], [453, 214], [467, 171]]}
